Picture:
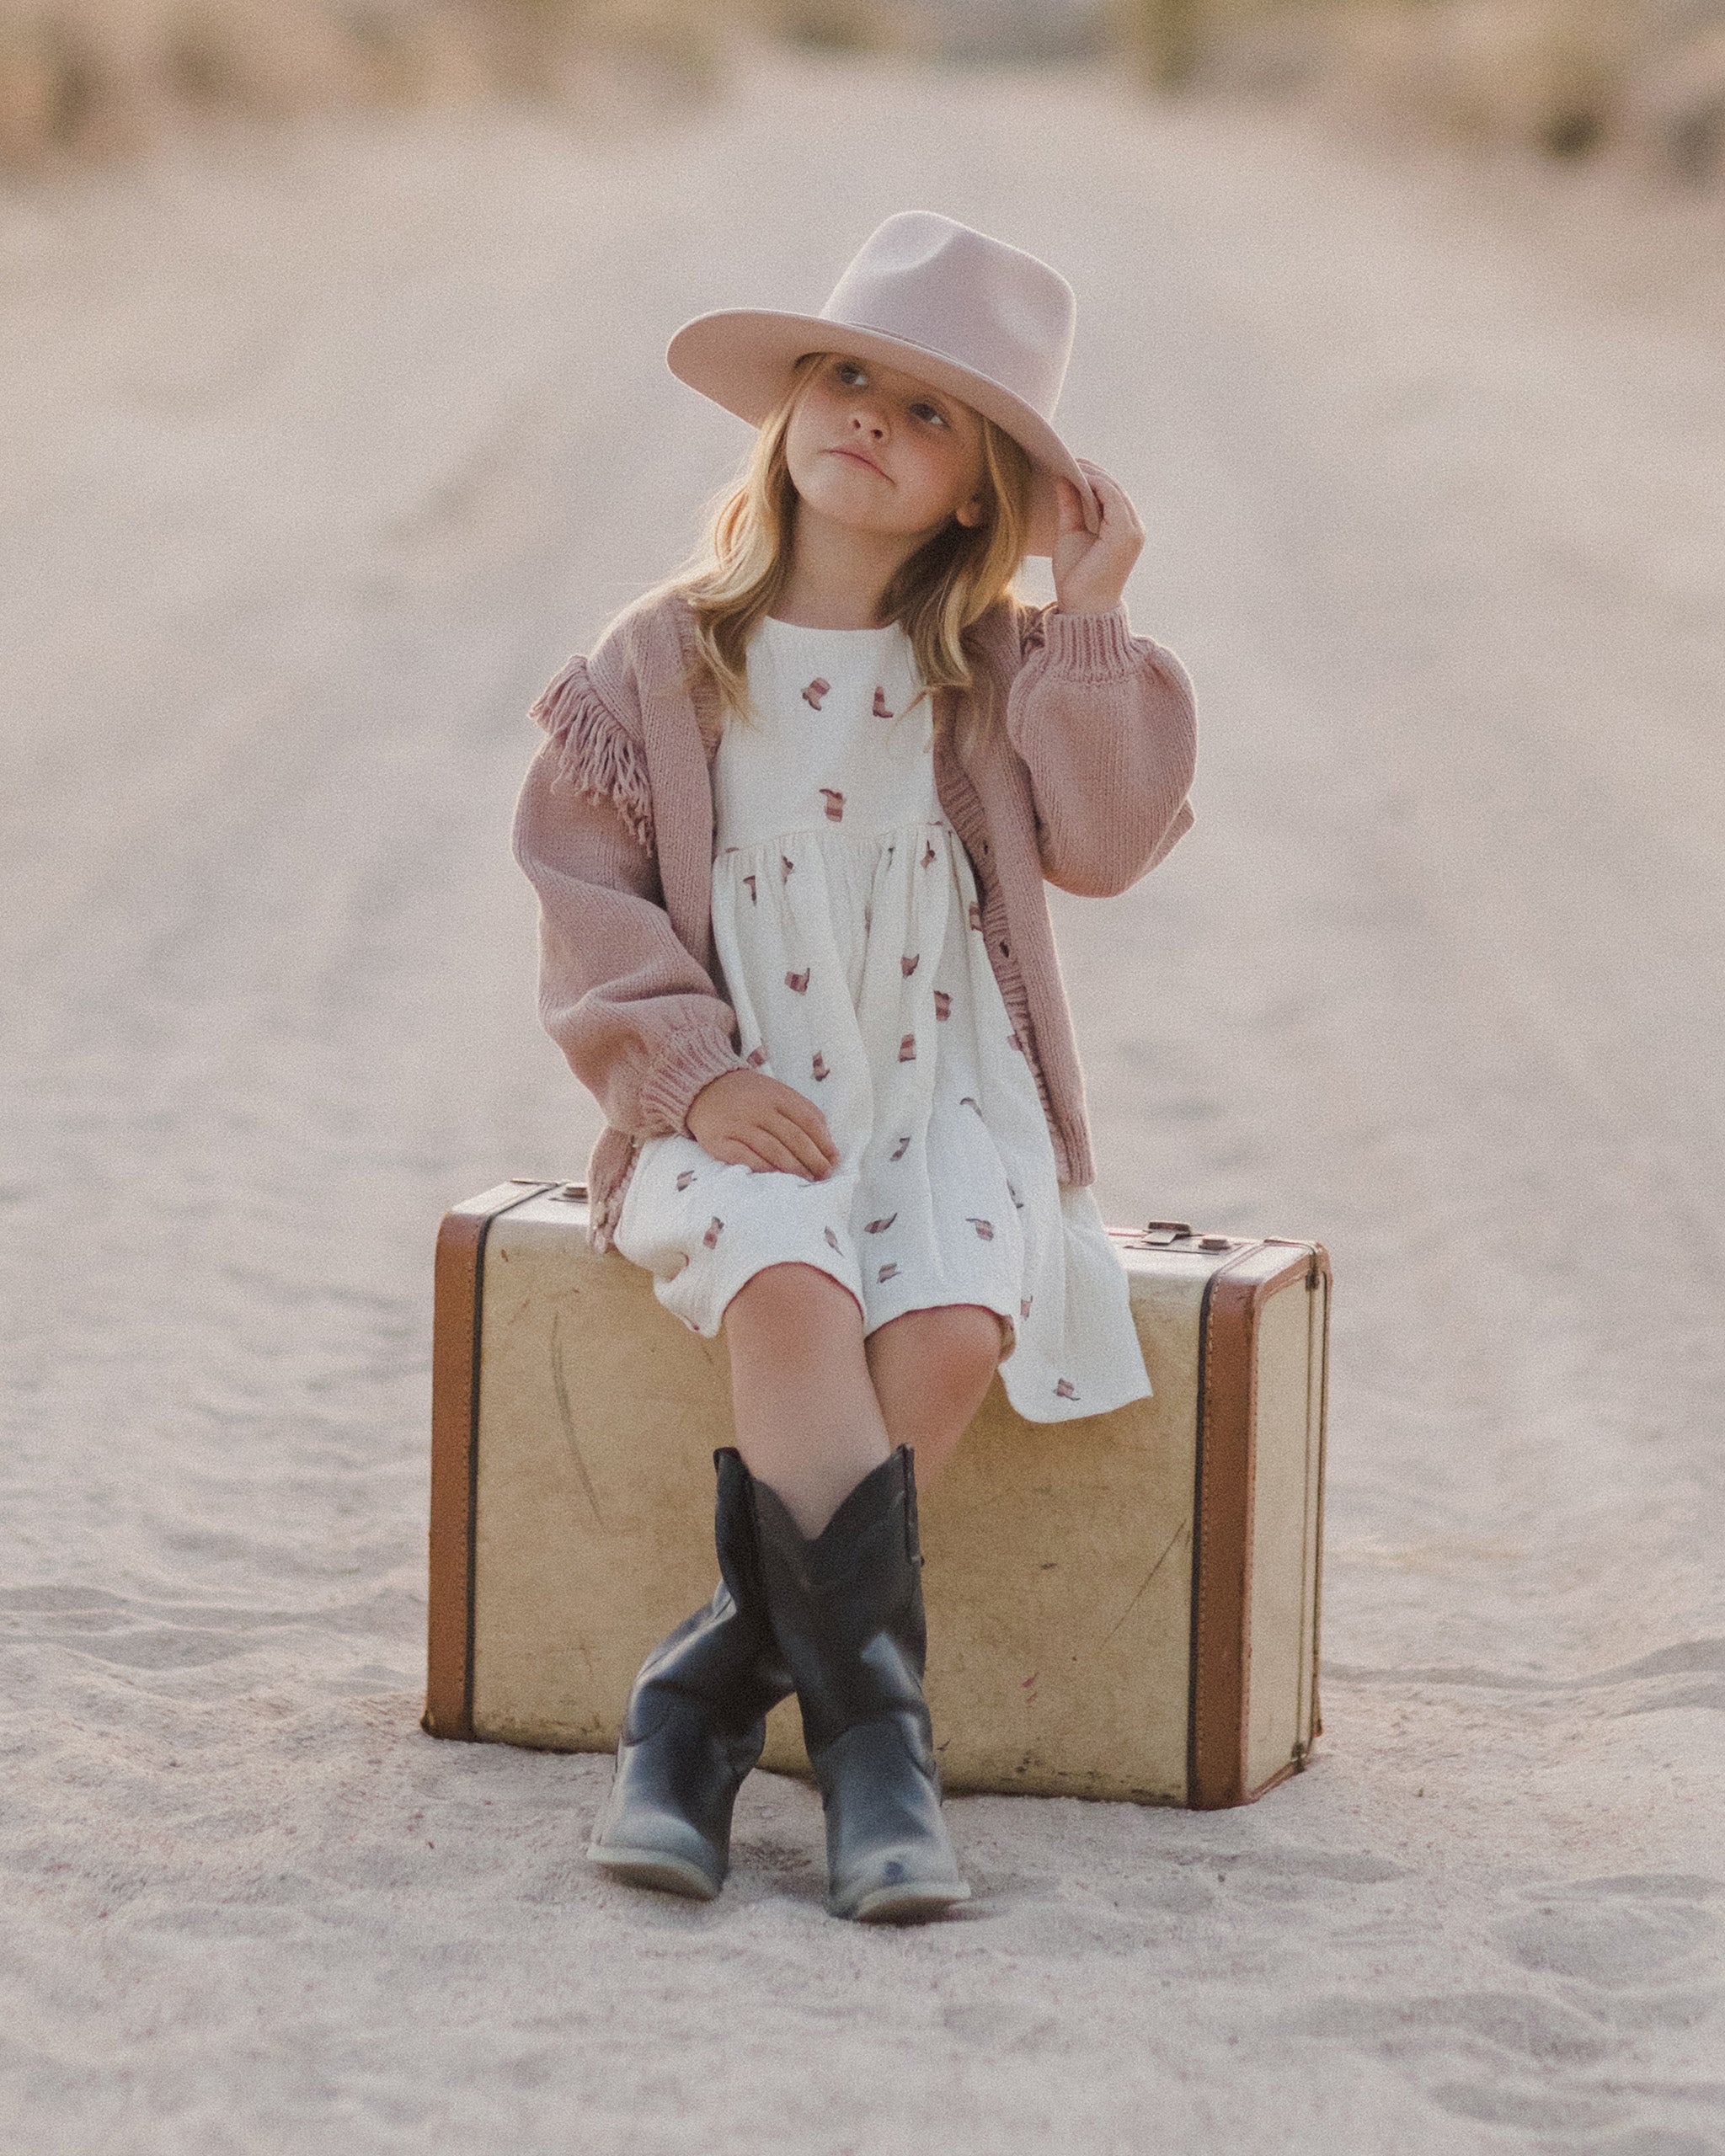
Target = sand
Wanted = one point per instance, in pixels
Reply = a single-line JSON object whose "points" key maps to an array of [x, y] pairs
{"points": [[319, 455]]}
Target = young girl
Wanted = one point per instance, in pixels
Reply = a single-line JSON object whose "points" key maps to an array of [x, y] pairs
{"points": [[789, 828]]}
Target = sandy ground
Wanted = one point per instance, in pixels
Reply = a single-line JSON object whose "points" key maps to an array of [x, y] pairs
{"points": [[316, 460]]}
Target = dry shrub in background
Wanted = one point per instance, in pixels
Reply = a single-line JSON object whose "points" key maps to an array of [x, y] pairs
{"points": [[1012, 33], [88, 77], [82, 78], [1566, 77], [841, 25]]}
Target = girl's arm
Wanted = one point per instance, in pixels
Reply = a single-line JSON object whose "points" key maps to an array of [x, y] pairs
{"points": [[636, 1016], [1106, 722], [1104, 719]]}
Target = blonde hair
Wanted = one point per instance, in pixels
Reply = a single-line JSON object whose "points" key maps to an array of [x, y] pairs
{"points": [[732, 580]]}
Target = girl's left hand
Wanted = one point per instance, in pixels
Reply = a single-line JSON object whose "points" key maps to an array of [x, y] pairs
{"points": [[1091, 568]]}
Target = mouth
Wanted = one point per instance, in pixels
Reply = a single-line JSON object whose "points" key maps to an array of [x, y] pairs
{"points": [[855, 456]]}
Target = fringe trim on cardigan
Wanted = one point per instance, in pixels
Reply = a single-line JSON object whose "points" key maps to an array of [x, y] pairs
{"points": [[597, 756]]}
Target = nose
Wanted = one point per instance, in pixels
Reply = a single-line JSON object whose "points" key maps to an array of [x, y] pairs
{"points": [[870, 421]]}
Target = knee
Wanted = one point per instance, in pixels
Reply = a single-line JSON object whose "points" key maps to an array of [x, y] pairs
{"points": [[795, 1298], [957, 1351], [971, 1355]]}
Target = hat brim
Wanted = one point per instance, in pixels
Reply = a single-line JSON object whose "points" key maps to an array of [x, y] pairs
{"points": [[742, 358]]}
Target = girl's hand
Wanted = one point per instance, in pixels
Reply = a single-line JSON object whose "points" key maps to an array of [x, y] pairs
{"points": [[750, 1118], [1091, 571]]}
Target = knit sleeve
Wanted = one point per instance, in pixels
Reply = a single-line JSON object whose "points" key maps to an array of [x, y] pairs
{"points": [[638, 1018], [1105, 722], [595, 753]]}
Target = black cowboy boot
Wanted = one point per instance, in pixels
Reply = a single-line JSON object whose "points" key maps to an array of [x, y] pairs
{"points": [[696, 1721], [847, 1609]]}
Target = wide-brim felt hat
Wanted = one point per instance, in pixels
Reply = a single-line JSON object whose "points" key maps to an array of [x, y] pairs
{"points": [[986, 322]]}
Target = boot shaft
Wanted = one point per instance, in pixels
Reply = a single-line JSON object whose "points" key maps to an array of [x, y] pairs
{"points": [[723, 1655], [846, 1605]]}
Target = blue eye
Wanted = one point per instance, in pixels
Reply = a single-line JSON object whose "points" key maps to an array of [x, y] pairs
{"points": [[931, 411]]}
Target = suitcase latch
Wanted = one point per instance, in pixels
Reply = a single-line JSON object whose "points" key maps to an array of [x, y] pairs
{"points": [[1163, 1234]]}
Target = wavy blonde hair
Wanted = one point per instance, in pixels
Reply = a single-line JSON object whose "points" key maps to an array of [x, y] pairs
{"points": [[733, 578]]}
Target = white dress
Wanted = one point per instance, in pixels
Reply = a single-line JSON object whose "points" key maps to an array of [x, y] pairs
{"points": [[847, 920]]}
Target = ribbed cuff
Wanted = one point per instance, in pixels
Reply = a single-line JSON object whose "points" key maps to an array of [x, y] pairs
{"points": [[1090, 647], [689, 1063]]}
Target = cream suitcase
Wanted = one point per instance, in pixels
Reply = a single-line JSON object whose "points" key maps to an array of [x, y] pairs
{"points": [[1123, 1606]]}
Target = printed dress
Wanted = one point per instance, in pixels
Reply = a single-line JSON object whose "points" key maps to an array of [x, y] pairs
{"points": [[847, 923]]}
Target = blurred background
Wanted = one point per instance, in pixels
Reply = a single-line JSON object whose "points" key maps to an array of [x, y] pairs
{"points": [[1571, 77], [334, 418]]}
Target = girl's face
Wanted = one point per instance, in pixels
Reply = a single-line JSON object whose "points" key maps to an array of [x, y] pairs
{"points": [[877, 450]]}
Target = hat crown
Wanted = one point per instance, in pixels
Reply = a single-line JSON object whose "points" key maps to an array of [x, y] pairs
{"points": [[965, 297]]}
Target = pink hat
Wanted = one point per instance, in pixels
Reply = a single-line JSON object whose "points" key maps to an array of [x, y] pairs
{"points": [[983, 321]]}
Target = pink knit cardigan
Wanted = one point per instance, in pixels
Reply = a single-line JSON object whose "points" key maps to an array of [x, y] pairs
{"points": [[1085, 787]]}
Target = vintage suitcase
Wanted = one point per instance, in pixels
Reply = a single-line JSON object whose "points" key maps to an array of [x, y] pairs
{"points": [[1125, 1606]]}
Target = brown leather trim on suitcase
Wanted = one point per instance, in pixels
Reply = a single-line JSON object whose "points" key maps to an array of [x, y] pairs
{"points": [[456, 1304], [1221, 1537], [1321, 1272]]}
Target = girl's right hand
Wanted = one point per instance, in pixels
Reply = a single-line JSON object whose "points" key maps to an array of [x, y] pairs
{"points": [[747, 1117]]}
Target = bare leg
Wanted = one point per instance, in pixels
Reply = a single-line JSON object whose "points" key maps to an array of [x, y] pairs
{"points": [[807, 1419], [930, 1369]]}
